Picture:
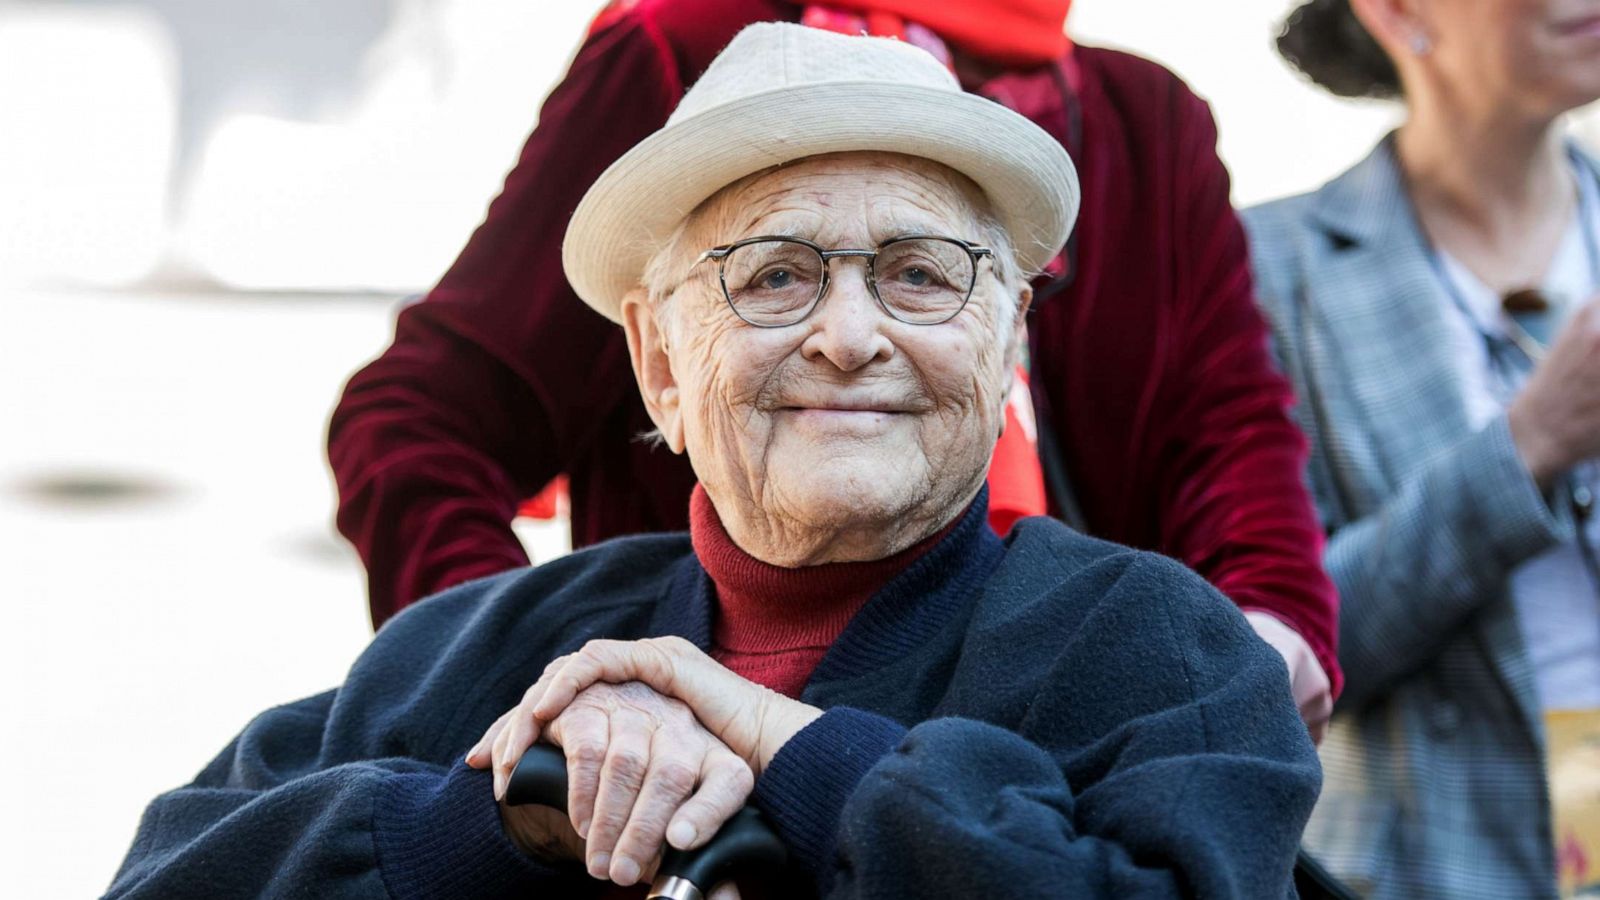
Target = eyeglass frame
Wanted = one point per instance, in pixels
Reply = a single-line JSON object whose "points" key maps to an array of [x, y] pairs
{"points": [[722, 252]]}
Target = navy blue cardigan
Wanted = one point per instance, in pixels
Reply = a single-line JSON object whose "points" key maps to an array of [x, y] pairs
{"points": [[1050, 717]]}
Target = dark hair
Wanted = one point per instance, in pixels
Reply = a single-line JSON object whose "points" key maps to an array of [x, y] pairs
{"points": [[1330, 46]]}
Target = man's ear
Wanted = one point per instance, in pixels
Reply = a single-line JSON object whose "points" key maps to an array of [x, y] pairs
{"points": [[1019, 340], [1017, 344], [652, 368]]}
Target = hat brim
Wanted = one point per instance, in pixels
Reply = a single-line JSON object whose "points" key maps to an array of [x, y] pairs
{"points": [[637, 202]]}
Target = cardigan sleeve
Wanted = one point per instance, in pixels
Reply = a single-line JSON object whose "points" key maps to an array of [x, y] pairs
{"points": [[475, 405], [1234, 505], [1160, 757], [269, 817], [361, 792]]}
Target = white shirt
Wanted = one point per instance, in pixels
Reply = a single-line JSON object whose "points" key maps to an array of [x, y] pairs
{"points": [[1555, 598]]}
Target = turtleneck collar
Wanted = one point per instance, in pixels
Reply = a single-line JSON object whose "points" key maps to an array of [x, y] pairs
{"points": [[774, 624]]}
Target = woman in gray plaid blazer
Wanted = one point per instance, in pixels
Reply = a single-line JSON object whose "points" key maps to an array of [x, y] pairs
{"points": [[1444, 485]]}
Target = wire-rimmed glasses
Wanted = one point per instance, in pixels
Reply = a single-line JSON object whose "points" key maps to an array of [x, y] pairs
{"points": [[773, 281]]}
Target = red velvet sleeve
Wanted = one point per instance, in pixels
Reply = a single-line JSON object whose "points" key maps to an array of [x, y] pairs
{"points": [[500, 376], [1234, 504]]}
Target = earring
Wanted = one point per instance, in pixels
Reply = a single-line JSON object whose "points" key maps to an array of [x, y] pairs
{"points": [[1420, 45]]}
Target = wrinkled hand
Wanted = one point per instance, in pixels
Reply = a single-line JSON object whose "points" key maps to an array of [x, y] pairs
{"points": [[1555, 421], [1313, 693], [752, 720], [640, 771]]}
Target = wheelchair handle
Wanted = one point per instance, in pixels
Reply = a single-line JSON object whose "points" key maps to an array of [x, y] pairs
{"points": [[745, 842]]}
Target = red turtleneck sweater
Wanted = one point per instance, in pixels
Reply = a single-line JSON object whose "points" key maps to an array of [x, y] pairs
{"points": [[773, 625]]}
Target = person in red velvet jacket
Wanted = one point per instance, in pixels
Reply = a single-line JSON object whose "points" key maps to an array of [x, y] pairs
{"points": [[1162, 421]]}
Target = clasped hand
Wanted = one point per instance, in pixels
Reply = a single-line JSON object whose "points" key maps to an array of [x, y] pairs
{"points": [[1555, 422], [662, 744]]}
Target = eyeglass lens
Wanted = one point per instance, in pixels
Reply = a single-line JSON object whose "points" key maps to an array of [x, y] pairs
{"points": [[922, 281]]}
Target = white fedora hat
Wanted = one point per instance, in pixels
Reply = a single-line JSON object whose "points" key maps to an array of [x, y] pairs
{"points": [[778, 93]]}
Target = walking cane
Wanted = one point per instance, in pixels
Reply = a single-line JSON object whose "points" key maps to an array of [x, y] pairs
{"points": [[744, 844]]}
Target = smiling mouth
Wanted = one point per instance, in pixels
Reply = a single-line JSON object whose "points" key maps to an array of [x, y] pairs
{"points": [[855, 420], [850, 414]]}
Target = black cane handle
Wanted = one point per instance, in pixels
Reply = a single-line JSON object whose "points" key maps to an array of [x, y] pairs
{"points": [[540, 779], [745, 843]]}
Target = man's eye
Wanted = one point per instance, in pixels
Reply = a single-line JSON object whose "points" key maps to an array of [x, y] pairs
{"points": [[777, 280], [916, 276]]}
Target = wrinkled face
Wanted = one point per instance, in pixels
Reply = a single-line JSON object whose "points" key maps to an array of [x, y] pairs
{"points": [[1542, 55], [848, 420]]}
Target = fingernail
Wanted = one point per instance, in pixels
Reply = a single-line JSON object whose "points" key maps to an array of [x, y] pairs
{"points": [[624, 871], [583, 829], [681, 835], [600, 865], [499, 785]]}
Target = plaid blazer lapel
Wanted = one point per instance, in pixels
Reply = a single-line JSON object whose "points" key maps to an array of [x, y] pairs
{"points": [[1379, 328]]}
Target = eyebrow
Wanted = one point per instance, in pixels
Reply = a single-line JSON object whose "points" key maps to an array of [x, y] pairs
{"points": [[897, 229], [903, 227], [793, 229]]}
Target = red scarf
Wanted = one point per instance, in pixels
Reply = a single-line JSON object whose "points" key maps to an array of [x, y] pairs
{"points": [[1016, 33]]}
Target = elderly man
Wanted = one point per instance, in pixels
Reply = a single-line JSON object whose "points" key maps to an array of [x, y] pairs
{"points": [[820, 265]]}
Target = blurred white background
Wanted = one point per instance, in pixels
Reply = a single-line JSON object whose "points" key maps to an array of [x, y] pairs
{"points": [[208, 209]]}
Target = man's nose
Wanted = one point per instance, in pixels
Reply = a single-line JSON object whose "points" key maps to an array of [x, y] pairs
{"points": [[848, 329]]}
